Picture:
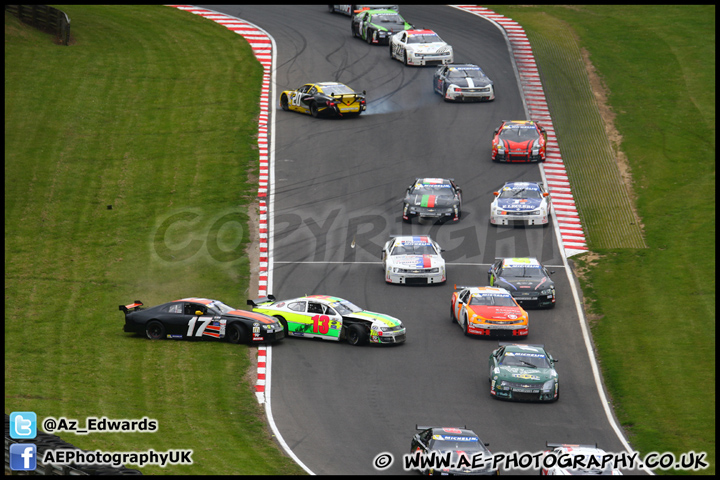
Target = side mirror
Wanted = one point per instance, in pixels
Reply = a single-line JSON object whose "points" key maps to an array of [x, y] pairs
{"points": [[497, 194], [496, 130], [364, 92], [545, 194], [199, 313]]}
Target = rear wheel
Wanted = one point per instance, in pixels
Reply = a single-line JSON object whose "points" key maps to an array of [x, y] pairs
{"points": [[356, 335], [155, 330], [236, 333], [314, 110]]}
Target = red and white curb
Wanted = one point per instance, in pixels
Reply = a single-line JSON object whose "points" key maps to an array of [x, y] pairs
{"points": [[572, 238], [262, 46]]}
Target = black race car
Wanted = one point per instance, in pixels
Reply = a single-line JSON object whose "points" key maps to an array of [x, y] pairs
{"points": [[437, 198], [377, 26], [527, 280], [200, 318], [464, 447]]}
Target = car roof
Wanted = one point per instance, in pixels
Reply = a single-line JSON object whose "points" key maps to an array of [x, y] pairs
{"points": [[518, 122], [486, 290], [328, 84], [453, 431], [433, 181], [204, 301], [327, 298], [581, 449], [424, 31], [519, 262]]}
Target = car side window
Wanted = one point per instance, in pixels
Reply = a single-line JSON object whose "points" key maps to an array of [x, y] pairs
{"points": [[464, 296], [425, 436], [329, 311], [314, 307], [174, 308], [296, 306], [191, 308], [313, 91]]}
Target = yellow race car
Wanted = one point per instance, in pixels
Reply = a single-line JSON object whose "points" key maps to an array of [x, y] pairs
{"points": [[326, 99]]}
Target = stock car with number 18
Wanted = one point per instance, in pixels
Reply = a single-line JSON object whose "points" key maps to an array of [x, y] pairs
{"points": [[463, 445], [200, 318], [588, 453], [420, 47], [324, 99], [521, 203], [519, 141], [463, 83], [488, 311], [523, 372], [331, 318]]}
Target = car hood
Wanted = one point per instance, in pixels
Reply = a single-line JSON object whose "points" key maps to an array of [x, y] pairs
{"points": [[529, 376], [429, 47], [431, 201], [416, 261], [518, 284], [519, 204], [491, 312]]}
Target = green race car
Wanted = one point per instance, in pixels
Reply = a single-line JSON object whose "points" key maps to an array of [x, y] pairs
{"points": [[331, 318], [377, 26], [523, 372]]}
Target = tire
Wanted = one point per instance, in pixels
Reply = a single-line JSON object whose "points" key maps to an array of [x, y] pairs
{"points": [[314, 110], [284, 323], [155, 330], [356, 335], [452, 315], [237, 333], [465, 327], [391, 54], [368, 37], [284, 103], [352, 29], [405, 57]]}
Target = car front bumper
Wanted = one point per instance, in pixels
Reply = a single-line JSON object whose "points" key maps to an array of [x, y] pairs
{"points": [[532, 299], [470, 95], [519, 218], [498, 331], [415, 278], [429, 59]]}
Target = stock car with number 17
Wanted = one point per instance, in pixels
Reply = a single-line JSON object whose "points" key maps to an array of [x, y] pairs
{"points": [[331, 318], [200, 318], [324, 99], [462, 444], [523, 372]]}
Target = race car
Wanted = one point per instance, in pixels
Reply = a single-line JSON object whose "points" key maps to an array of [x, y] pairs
{"points": [[325, 99], [527, 280], [200, 318], [488, 311], [437, 198], [420, 47], [331, 318], [519, 141], [591, 459], [350, 9], [521, 203], [464, 444], [523, 372], [377, 26], [463, 83], [413, 260]]}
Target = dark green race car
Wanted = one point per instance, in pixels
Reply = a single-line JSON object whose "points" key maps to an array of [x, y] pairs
{"points": [[377, 26], [523, 372]]}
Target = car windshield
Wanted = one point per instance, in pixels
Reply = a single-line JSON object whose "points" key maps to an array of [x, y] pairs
{"points": [[519, 133], [413, 249], [336, 89], [522, 272], [424, 38], [519, 193], [345, 308], [386, 18], [465, 446], [221, 307], [524, 359], [459, 74], [493, 300]]}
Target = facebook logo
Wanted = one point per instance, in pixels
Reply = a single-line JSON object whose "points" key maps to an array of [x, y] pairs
{"points": [[23, 425], [23, 456]]}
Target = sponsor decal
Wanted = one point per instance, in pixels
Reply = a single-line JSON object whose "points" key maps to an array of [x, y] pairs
{"points": [[526, 376]]}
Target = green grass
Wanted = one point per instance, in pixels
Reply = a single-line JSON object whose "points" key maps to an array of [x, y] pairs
{"points": [[655, 307], [138, 114]]}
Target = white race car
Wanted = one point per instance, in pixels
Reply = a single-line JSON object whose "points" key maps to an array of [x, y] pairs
{"points": [[522, 203], [590, 462], [413, 260], [420, 47]]}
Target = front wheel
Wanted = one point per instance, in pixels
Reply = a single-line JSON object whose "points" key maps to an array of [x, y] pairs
{"points": [[237, 333], [405, 61], [155, 330], [356, 335], [284, 103], [452, 315]]}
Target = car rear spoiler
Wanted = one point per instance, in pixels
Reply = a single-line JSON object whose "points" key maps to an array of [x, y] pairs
{"points": [[539, 345], [254, 303], [555, 445], [133, 306], [425, 427]]}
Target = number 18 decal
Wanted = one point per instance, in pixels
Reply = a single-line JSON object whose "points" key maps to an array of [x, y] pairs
{"points": [[321, 324]]}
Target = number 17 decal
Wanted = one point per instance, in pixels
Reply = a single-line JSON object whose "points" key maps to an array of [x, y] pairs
{"points": [[321, 324], [191, 325]]}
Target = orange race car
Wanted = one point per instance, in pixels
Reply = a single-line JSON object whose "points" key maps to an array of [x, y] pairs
{"points": [[488, 312]]}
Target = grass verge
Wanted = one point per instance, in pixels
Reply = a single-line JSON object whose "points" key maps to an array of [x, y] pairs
{"points": [[127, 157], [652, 310]]}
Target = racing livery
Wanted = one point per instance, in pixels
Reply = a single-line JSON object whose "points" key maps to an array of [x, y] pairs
{"points": [[377, 26], [460, 441], [413, 260], [521, 203], [527, 280], [523, 372], [464, 83], [200, 318], [519, 141], [325, 99], [488, 311], [331, 318], [437, 198], [420, 47], [585, 451], [350, 9]]}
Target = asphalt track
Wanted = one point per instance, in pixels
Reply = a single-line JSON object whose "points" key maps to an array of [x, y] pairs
{"points": [[338, 188]]}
